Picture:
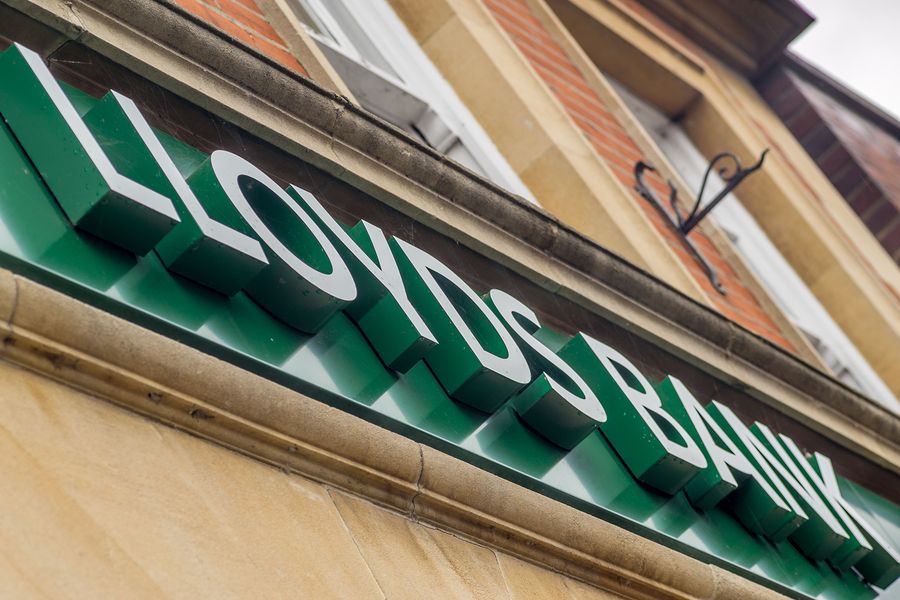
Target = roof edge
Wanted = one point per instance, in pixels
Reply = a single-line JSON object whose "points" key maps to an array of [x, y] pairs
{"points": [[850, 98]]}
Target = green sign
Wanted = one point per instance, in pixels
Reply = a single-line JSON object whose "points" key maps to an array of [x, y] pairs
{"points": [[210, 250]]}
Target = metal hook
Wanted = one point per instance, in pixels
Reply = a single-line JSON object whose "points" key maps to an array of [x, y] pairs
{"points": [[732, 177]]}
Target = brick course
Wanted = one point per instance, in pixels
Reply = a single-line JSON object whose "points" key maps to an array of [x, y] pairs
{"points": [[244, 21]]}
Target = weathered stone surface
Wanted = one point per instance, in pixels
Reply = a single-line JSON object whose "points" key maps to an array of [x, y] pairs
{"points": [[414, 561], [411, 561], [101, 503], [526, 581]]}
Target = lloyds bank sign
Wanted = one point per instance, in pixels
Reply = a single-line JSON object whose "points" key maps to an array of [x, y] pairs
{"points": [[210, 250]]}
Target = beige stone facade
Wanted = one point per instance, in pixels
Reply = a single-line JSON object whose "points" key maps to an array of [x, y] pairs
{"points": [[135, 466]]}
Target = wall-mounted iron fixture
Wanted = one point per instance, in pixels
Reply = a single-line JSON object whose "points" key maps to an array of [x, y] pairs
{"points": [[732, 174]]}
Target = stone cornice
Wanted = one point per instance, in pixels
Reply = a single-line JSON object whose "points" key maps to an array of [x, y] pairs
{"points": [[145, 372]]}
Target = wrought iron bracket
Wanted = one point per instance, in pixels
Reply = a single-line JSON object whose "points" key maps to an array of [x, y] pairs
{"points": [[732, 174]]}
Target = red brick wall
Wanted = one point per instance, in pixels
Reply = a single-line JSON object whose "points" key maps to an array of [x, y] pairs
{"points": [[620, 152], [244, 21]]}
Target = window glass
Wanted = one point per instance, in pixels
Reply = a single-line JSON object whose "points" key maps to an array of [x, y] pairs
{"points": [[308, 18], [362, 43]]}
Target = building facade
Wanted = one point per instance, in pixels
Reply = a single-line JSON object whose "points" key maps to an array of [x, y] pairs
{"points": [[394, 299]]}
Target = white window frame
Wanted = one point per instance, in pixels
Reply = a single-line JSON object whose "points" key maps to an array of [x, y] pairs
{"points": [[418, 99], [787, 289]]}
